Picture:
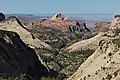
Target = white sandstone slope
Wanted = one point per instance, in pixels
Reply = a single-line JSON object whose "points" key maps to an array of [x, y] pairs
{"points": [[26, 36], [103, 64], [91, 43]]}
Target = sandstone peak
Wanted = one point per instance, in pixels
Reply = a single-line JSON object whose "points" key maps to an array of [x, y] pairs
{"points": [[58, 17]]}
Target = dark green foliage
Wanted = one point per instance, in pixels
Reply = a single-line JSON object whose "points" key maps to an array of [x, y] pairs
{"points": [[11, 17], [117, 16], [68, 63], [13, 78], [2, 17], [4, 32], [116, 41], [117, 31], [58, 77]]}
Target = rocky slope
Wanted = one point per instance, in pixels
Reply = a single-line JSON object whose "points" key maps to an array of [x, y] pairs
{"points": [[39, 37], [16, 58], [62, 25], [103, 64], [102, 27], [13, 24], [58, 38], [91, 43], [61, 62]]}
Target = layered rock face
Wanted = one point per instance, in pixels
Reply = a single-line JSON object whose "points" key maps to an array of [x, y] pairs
{"points": [[61, 24], [17, 58], [13, 24], [105, 26], [102, 26]]}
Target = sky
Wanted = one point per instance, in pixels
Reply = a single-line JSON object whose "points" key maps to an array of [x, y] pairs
{"points": [[60, 6]]}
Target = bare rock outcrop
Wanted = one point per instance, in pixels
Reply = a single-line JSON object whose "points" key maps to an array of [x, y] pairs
{"points": [[103, 64], [91, 43], [58, 17], [13, 24], [105, 26], [16, 58], [114, 26]]}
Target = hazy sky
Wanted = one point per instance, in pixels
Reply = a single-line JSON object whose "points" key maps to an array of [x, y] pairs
{"points": [[63, 6]]}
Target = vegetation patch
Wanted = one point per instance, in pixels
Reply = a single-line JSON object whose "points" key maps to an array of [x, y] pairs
{"points": [[67, 63], [13, 78], [117, 41]]}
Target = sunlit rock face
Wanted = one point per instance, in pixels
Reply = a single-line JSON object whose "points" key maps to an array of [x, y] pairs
{"points": [[103, 64], [14, 24], [115, 21]]}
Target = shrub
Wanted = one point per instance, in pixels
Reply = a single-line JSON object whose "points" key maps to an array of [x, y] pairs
{"points": [[2, 17], [58, 77], [13, 78]]}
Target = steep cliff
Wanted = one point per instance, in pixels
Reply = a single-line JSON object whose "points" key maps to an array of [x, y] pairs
{"points": [[13, 24], [17, 58]]}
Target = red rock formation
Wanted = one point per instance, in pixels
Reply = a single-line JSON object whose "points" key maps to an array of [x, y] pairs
{"points": [[62, 25], [102, 26], [59, 24]]}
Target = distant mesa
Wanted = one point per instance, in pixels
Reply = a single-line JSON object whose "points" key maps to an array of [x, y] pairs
{"points": [[58, 17], [2, 17]]}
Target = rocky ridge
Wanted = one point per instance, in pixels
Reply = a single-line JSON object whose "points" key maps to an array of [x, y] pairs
{"points": [[103, 64], [13, 24]]}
